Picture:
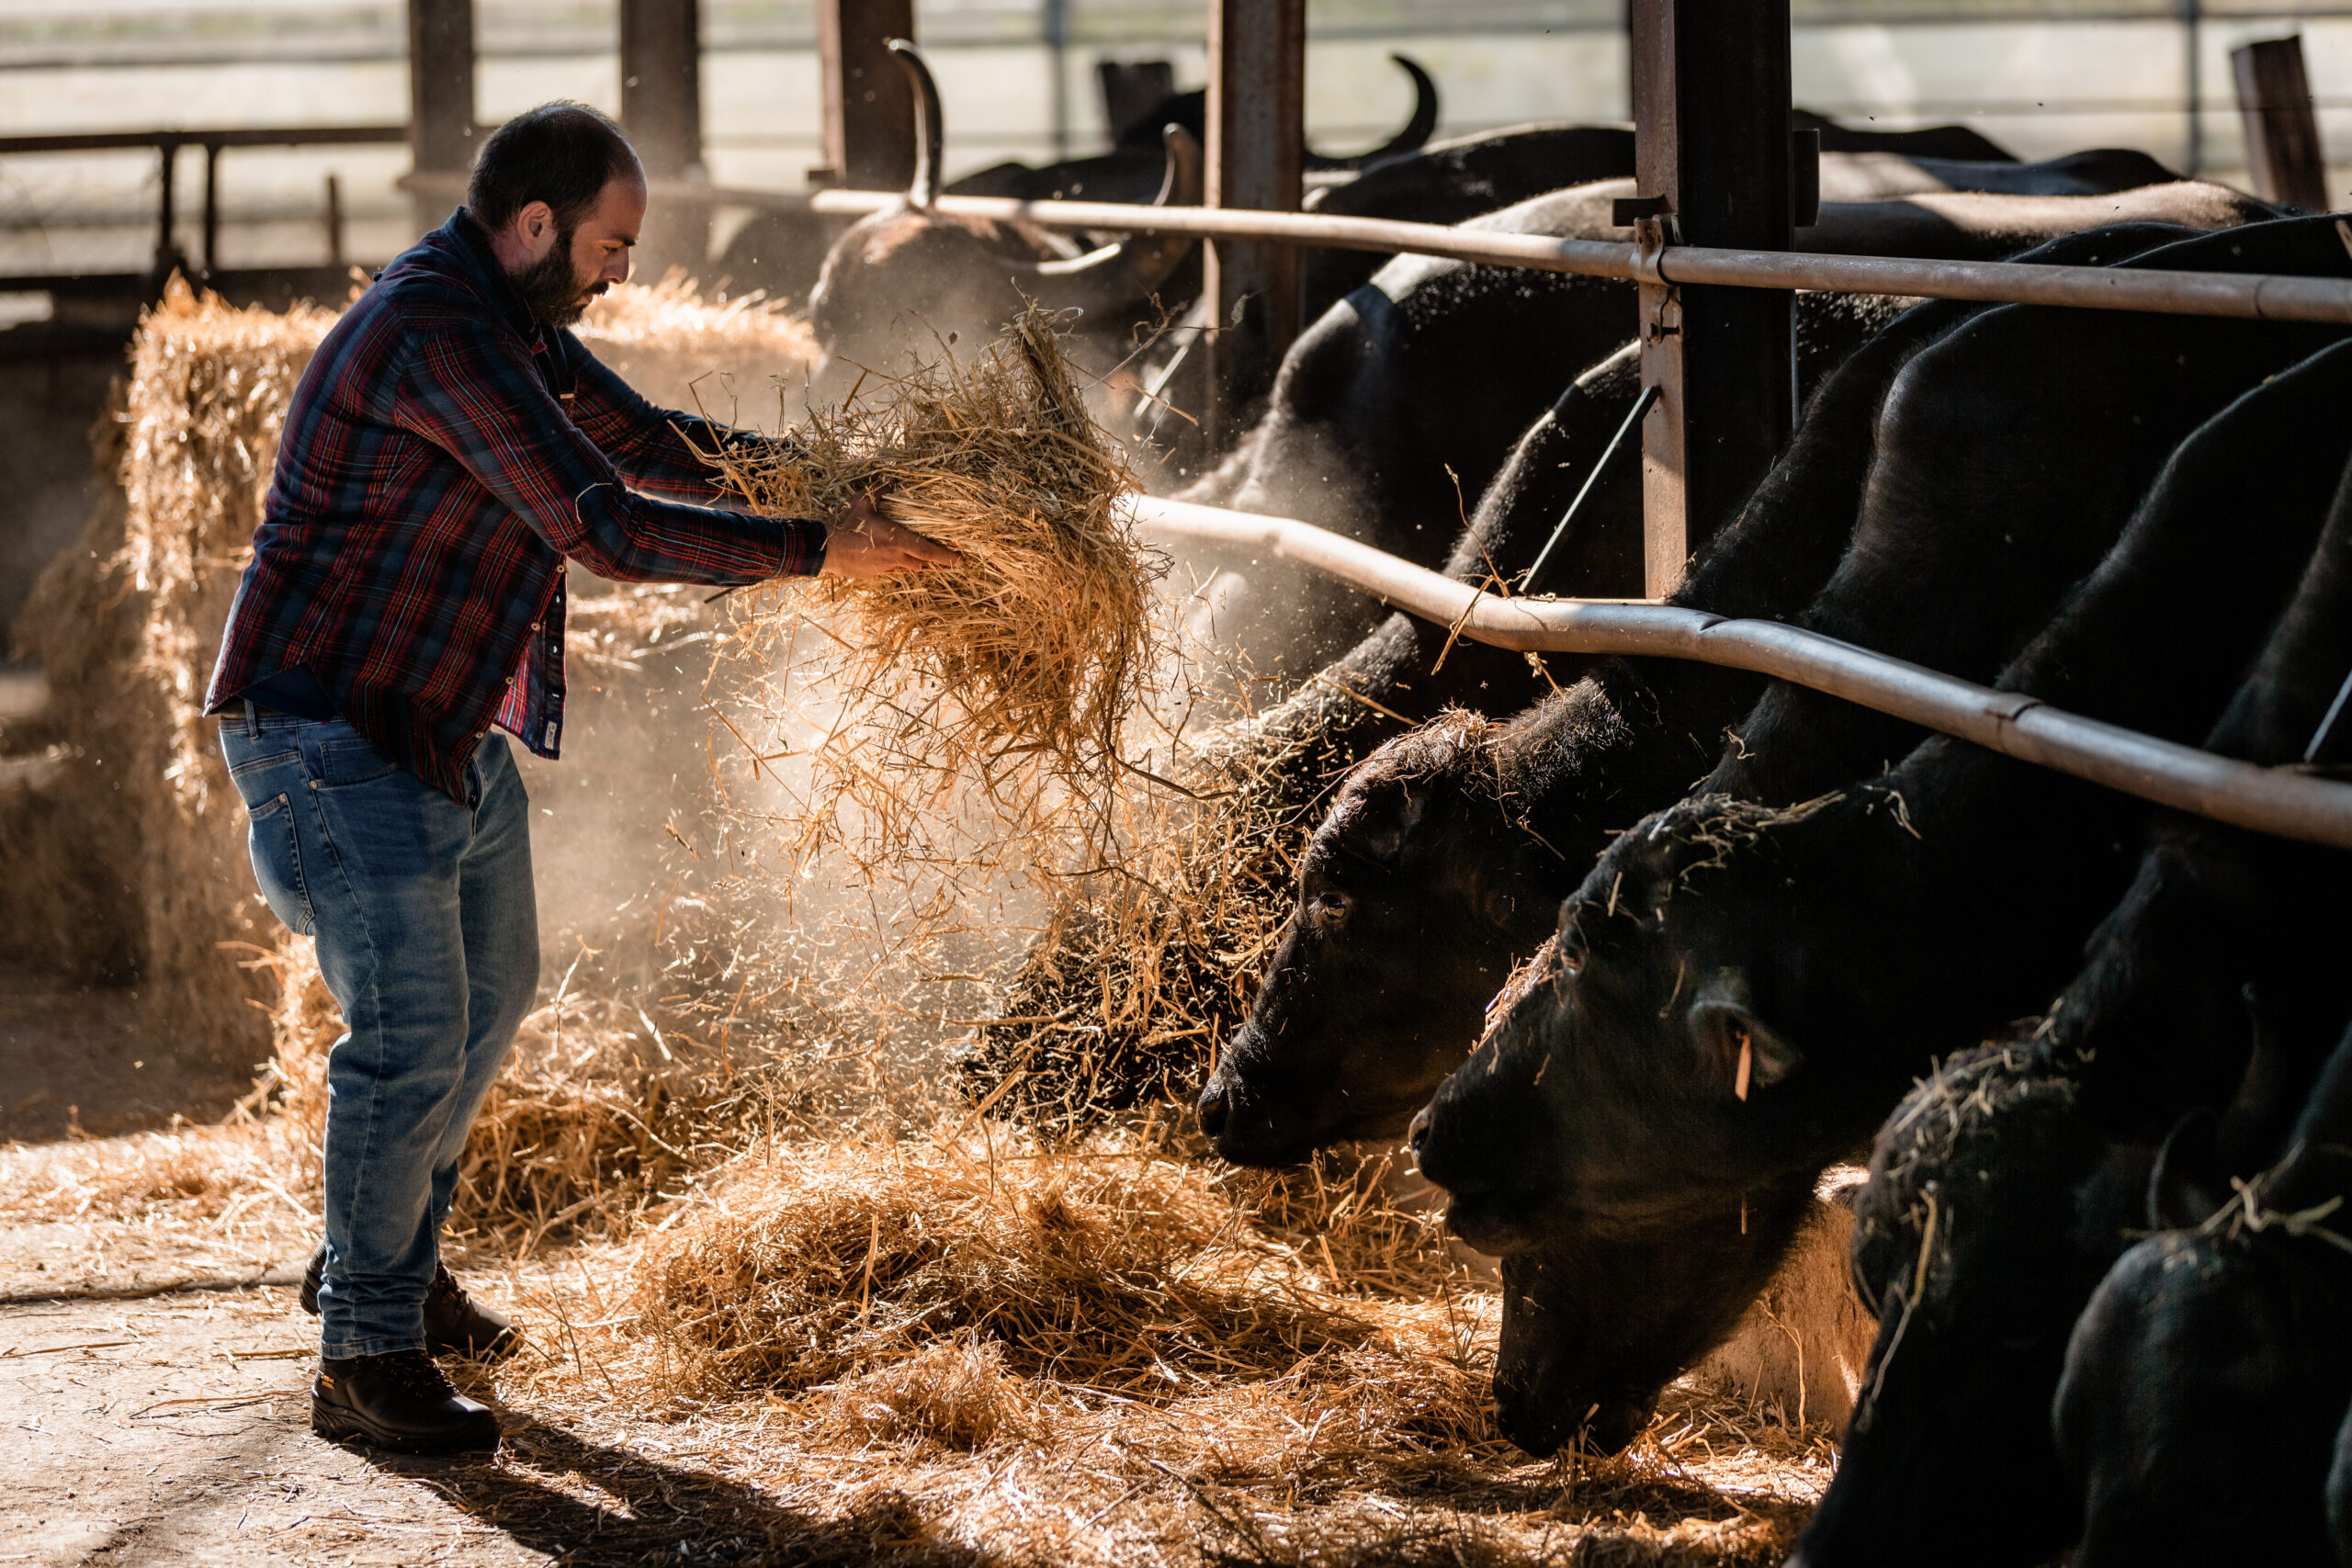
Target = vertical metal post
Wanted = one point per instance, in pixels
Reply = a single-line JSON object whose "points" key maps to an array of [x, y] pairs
{"points": [[1257, 133], [2282, 148], [1054, 22], [334, 222], [1712, 151], [167, 250], [869, 108], [211, 207], [440, 97], [662, 109], [2192, 17]]}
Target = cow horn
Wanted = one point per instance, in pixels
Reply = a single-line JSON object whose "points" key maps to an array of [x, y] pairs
{"points": [[1417, 132], [930, 129], [1119, 275]]}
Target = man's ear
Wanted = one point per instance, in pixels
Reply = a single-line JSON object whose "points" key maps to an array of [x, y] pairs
{"points": [[534, 225], [1737, 1053], [1382, 819]]}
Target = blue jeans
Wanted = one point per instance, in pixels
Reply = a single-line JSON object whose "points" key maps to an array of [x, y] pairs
{"points": [[428, 936]]}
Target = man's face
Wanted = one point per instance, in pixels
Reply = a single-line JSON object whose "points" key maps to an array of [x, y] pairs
{"points": [[567, 266]]}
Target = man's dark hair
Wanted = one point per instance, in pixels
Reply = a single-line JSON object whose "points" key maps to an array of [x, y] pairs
{"points": [[561, 153]]}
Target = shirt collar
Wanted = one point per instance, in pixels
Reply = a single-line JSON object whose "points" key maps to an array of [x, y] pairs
{"points": [[467, 243]]}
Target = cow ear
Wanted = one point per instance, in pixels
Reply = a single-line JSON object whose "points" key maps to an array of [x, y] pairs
{"points": [[2181, 1187], [1739, 1053], [1384, 820]]}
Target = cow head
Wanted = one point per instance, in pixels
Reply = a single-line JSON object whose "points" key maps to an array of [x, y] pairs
{"points": [[1642, 1096], [1421, 890], [1599, 1316], [1976, 1242], [1411, 905], [911, 268]]}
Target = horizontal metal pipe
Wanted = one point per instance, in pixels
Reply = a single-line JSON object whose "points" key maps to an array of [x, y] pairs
{"points": [[2284, 801], [284, 136], [2252, 296]]}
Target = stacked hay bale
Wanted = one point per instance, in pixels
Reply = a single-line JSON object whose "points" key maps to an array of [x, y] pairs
{"points": [[122, 858]]}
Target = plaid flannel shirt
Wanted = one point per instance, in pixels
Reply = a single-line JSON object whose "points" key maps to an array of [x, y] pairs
{"points": [[443, 456]]}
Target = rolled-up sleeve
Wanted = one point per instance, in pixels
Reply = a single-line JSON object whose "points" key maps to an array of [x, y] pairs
{"points": [[472, 390]]}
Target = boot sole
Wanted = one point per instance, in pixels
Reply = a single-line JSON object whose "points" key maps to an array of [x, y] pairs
{"points": [[337, 1425]]}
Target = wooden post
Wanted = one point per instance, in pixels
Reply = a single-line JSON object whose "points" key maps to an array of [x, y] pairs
{"points": [[441, 99], [1712, 153], [1257, 132], [869, 108], [2282, 147], [662, 109]]}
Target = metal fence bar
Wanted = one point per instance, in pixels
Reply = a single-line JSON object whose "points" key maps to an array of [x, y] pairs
{"points": [[2284, 801], [2268, 297], [289, 136]]}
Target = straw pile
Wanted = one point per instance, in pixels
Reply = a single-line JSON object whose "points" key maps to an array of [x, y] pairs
{"points": [[1021, 660]]}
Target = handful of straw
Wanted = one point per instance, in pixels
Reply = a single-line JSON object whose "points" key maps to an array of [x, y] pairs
{"points": [[1038, 640]]}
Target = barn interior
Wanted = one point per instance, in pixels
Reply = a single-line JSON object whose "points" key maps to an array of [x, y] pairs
{"points": [[829, 1251]]}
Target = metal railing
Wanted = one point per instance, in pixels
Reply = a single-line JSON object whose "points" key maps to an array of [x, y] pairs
{"points": [[169, 144], [2269, 297], [2283, 801]]}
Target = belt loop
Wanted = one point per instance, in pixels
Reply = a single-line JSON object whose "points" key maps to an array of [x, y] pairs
{"points": [[253, 720]]}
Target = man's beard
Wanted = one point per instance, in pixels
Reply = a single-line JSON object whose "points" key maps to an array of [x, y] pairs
{"points": [[554, 293]]}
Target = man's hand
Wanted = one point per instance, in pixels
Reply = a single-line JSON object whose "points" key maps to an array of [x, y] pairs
{"points": [[861, 542]]}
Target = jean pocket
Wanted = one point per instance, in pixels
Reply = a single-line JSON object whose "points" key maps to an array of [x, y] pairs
{"points": [[256, 786], [276, 853]]}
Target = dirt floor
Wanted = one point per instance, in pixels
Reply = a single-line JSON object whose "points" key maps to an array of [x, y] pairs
{"points": [[155, 1366]]}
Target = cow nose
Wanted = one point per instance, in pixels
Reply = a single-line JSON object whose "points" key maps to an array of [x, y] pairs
{"points": [[1419, 1133], [1213, 1109]]}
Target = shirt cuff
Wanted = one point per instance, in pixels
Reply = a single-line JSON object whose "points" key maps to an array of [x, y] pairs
{"points": [[803, 547]]}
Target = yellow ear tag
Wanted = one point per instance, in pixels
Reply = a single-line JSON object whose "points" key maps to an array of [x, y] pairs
{"points": [[1746, 1061]]}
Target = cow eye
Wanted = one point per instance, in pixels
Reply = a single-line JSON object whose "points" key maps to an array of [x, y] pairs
{"points": [[1328, 909]]}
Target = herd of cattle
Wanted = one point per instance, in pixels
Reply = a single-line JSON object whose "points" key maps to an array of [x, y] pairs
{"points": [[2094, 1051]]}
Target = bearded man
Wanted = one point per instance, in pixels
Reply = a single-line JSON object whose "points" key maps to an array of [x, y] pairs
{"points": [[450, 450]]}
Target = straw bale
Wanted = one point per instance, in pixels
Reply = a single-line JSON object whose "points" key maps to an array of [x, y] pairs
{"points": [[684, 349]]}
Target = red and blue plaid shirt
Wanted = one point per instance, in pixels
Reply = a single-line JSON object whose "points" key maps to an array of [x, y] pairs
{"points": [[443, 454]]}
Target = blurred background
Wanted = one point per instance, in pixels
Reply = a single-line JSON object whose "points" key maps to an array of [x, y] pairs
{"points": [[1018, 80]]}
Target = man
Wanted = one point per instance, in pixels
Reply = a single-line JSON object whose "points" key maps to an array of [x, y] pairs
{"points": [[450, 447]]}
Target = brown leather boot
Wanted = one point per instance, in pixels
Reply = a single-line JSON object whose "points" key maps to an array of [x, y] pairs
{"points": [[399, 1401], [454, 1323]]}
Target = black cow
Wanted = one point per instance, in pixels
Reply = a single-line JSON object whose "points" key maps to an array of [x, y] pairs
{"points": [[1426, 376], [2206, 1383], [2030, 1160], [1288, 757], [1738, 993], [1449, 853]]}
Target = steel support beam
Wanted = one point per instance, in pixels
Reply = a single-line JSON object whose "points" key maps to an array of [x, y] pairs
{"points": [[440, 97], [662, 109], [1712, 156], [2282, 147], [869, 108], [1257, 135]]}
